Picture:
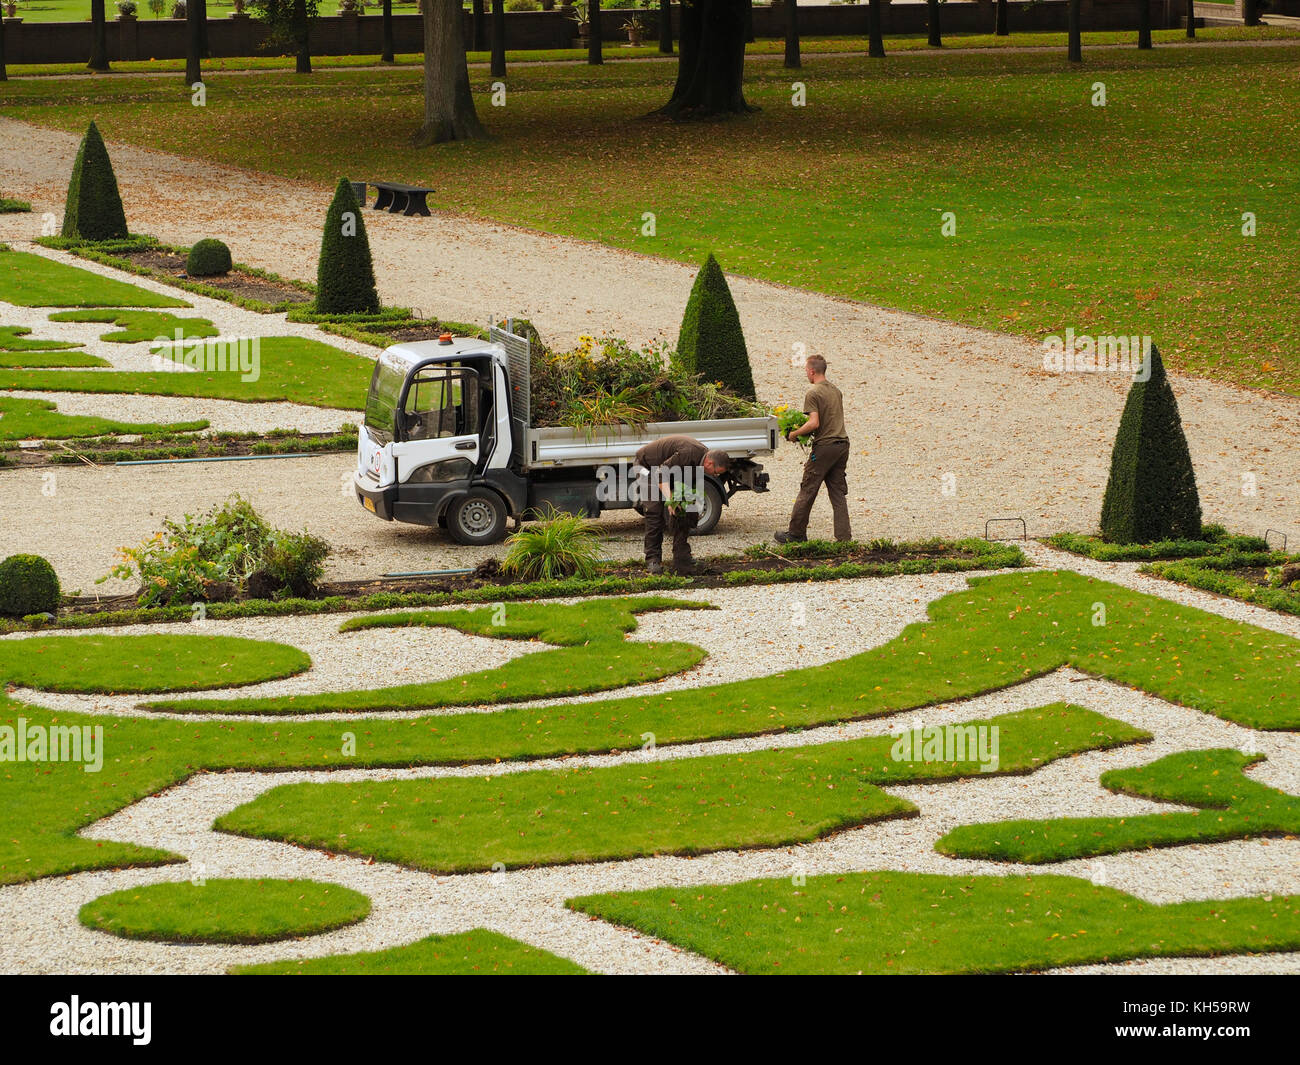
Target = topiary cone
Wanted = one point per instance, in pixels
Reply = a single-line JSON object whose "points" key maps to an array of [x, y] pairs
{"points": [[1151, 494], [345, 275], [711, 342], [94, 206]]}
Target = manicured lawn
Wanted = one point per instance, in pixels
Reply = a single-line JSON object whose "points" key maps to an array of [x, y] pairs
{"points": [[1232, 807], [594, 656], [476, 953], [1124, 219], [892, 922], [29, 280], [135, 326], [30, 359], [687, 806], [226, 911], [35, 419], [19, 338], [1000, 631], [111, 663], [289, 369]]}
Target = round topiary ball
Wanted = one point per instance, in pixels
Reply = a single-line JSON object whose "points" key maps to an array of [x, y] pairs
{"points": [[28, 585], [208, 258]]}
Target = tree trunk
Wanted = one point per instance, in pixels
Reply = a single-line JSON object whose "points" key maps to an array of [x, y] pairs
{"points": [[595, 41], [666, 26], [792, 58], [300, 35], [193, 44], [1191, 19], [204, 51], [1144, 23], [98, 37], [449, 113], [478, 27], [1250, 13], [875, 36], [932, 22], [388, 56], [1000, 20], [4, 75], [1076, 33], [749, 21], [498, 67], [710, 62]]}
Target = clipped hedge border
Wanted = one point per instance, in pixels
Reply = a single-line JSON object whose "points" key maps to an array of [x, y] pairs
{"points": [[985, 556], [1215, 575], [1094, 547]]}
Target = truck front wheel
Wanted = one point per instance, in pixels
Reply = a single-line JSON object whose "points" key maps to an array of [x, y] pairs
{"points": [[479, 517]]}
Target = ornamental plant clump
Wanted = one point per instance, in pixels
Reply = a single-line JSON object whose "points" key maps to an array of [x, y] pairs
{"points": [[559, 545], [345, 276], [1151, 494], [208, 258], [94, 205], [28, 585], [789, 419], [216, 556], [711, 343]]}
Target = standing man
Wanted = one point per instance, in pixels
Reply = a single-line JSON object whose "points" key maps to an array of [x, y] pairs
{"points": [[829, 457], [673, 461]]}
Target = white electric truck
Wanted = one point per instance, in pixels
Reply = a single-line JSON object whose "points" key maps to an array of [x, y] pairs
{"points": [[447, 441]]}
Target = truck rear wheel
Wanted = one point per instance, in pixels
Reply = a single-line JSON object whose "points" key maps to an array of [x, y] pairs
{"points": [[711, 512], [479, 517]]}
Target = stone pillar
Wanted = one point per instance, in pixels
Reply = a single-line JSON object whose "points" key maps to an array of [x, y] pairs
{"points": [[351, 33], [128, 37], [13, 40], [243, 34]]}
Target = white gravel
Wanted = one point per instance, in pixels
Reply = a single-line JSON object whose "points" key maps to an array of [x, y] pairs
{"points": [[42, 934]]}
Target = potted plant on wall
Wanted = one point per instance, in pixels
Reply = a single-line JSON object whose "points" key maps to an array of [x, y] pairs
{"points": [[11, 9], [126, 10], [635, 30]]}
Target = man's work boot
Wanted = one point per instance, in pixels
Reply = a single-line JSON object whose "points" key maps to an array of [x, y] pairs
{"points": [[784, 537], [654, 566], [684, 567]]}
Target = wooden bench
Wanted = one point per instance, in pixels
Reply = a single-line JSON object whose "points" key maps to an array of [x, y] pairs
{"points": [[399, 199]]}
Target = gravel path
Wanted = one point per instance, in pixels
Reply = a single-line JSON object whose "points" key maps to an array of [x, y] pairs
{"points": [[843, 618], [924, 397]]}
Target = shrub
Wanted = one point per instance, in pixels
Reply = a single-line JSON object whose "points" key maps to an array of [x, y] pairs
{"points": [[126, 7], [345, 276], [178, 9], [219, 555], [208, 258], [1151, 493], [711, 343], [94, 208], [28, 585], [523, 5], [559, 545], [11, 206]]}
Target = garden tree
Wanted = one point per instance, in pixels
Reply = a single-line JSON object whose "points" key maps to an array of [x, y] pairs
{"points": [[711, 342], [498, 66], [1073, 26], [875, 31], [1144, 23], [666, 27], [932, 23], [594, 37], [1250, 12], [388, 56], [289, 26], [98, 37], [1151, 494], [478, 27], [345, 275], [1000, 20], [792, 58], [93, 210], [449, 113], [193, 42], [710, 61]]}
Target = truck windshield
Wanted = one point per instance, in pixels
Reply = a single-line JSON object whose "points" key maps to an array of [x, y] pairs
{"points": [[381, 402]]}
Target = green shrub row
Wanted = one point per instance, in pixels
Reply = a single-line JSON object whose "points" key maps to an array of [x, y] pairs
{"points": [[1203, 575], [999, 557], [1216, 542]]}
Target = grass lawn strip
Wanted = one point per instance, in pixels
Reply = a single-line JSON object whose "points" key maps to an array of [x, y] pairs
{"points": [[29, 280], [119, 664], [37, 419], [291, 370], [226, 911], [31, 359], [1001, 630], [137, 326], [678, 806], [479, 952], [894, 922], [1232, 807], [593, 656], [14, 338]]}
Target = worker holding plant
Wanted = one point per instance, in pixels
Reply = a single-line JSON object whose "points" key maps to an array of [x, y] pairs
{"points": [[828, 459], [677, 466]]}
